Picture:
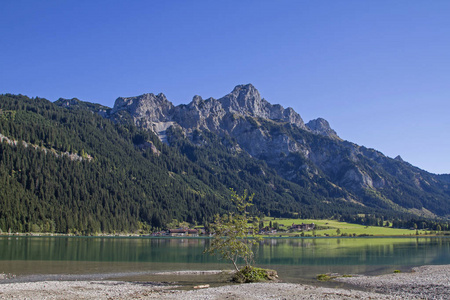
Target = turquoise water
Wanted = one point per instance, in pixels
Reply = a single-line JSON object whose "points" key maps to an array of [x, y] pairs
{"points": [[295, 259]]}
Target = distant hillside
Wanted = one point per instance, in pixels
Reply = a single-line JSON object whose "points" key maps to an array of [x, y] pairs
{"points": [[312, 156], [74, 166]]}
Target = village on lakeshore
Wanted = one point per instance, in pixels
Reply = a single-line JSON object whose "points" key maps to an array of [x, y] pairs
{"points": [[270, 227], [265, 230], [275, 227]]}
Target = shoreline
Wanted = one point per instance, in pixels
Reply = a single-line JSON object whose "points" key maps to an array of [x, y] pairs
{"points": [[426, 282], [143, 236]]}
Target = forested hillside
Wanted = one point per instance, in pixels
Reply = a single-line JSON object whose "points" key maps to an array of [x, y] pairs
{"points": [[116, 178], [68, 169]]}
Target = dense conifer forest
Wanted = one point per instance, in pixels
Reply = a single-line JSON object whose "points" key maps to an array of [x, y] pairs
{"points": [[104, 182], [72, 171]]}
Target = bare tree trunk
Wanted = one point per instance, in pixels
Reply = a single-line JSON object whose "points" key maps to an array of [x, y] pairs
{"points": [[235, 266]]}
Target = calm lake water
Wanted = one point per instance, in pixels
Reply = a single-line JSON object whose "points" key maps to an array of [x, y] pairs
{"points": [[295, 259]]}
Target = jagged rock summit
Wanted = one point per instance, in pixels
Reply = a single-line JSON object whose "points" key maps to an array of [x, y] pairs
{"points": [[321, 126], [154, 108], [244, 122], [156, 113], [244, 136], [399, 158], [246, 100]]}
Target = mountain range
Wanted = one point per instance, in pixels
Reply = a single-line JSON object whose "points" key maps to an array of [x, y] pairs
{"points": [[201, 149]]}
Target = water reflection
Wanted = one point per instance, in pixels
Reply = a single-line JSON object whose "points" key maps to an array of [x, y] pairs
{"points": [[290, 256]]}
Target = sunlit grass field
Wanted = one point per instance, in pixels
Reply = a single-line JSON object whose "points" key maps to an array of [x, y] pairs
{"points": [[331, 228]]}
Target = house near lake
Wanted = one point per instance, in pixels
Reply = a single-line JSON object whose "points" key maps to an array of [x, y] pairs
{"points": [[303, 227], [183, 232]]}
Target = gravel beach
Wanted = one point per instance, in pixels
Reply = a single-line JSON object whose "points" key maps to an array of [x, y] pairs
{"points": [[427, 282]]}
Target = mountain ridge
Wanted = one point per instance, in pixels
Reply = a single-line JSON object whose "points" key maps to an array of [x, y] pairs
{"points": [[135, 180], [243, 100], [279, 137]]}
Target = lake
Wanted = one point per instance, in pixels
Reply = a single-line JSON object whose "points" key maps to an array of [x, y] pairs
{"points": [[138, 259]]}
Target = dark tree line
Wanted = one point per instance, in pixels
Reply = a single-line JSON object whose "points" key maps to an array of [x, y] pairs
{"points": [[121, 188], [71, 170], [397, 221]]}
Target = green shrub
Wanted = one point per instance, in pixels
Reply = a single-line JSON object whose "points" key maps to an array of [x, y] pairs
{"points": [[251, 274], [323, 277]]}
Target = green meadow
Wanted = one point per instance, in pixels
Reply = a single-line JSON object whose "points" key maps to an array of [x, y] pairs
{"points": [[336, 228]]}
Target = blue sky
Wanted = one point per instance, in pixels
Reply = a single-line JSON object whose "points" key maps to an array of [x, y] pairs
{"points": [[378, 71]]}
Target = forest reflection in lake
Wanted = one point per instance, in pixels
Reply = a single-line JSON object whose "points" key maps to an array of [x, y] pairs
{"points": [[295, 259]]}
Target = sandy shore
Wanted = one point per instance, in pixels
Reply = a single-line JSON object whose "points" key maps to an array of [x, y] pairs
{"points": [[428, 282]]}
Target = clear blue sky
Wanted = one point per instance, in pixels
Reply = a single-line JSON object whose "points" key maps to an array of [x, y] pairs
{"points": [[378, 71]]}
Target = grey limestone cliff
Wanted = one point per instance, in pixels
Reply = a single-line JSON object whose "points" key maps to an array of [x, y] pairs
{"points": [[156, 113], [245, 100], [311, 155], [321, 126], [239, 114]]}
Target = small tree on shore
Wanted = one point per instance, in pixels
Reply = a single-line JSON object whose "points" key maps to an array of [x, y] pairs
{"points": [[232, 239]]}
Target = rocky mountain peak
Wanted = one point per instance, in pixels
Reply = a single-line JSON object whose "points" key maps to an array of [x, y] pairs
{"points": [[197, 100], [153, 107], [246, 89], [322, 127], [245, 100], [399, 158]]}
